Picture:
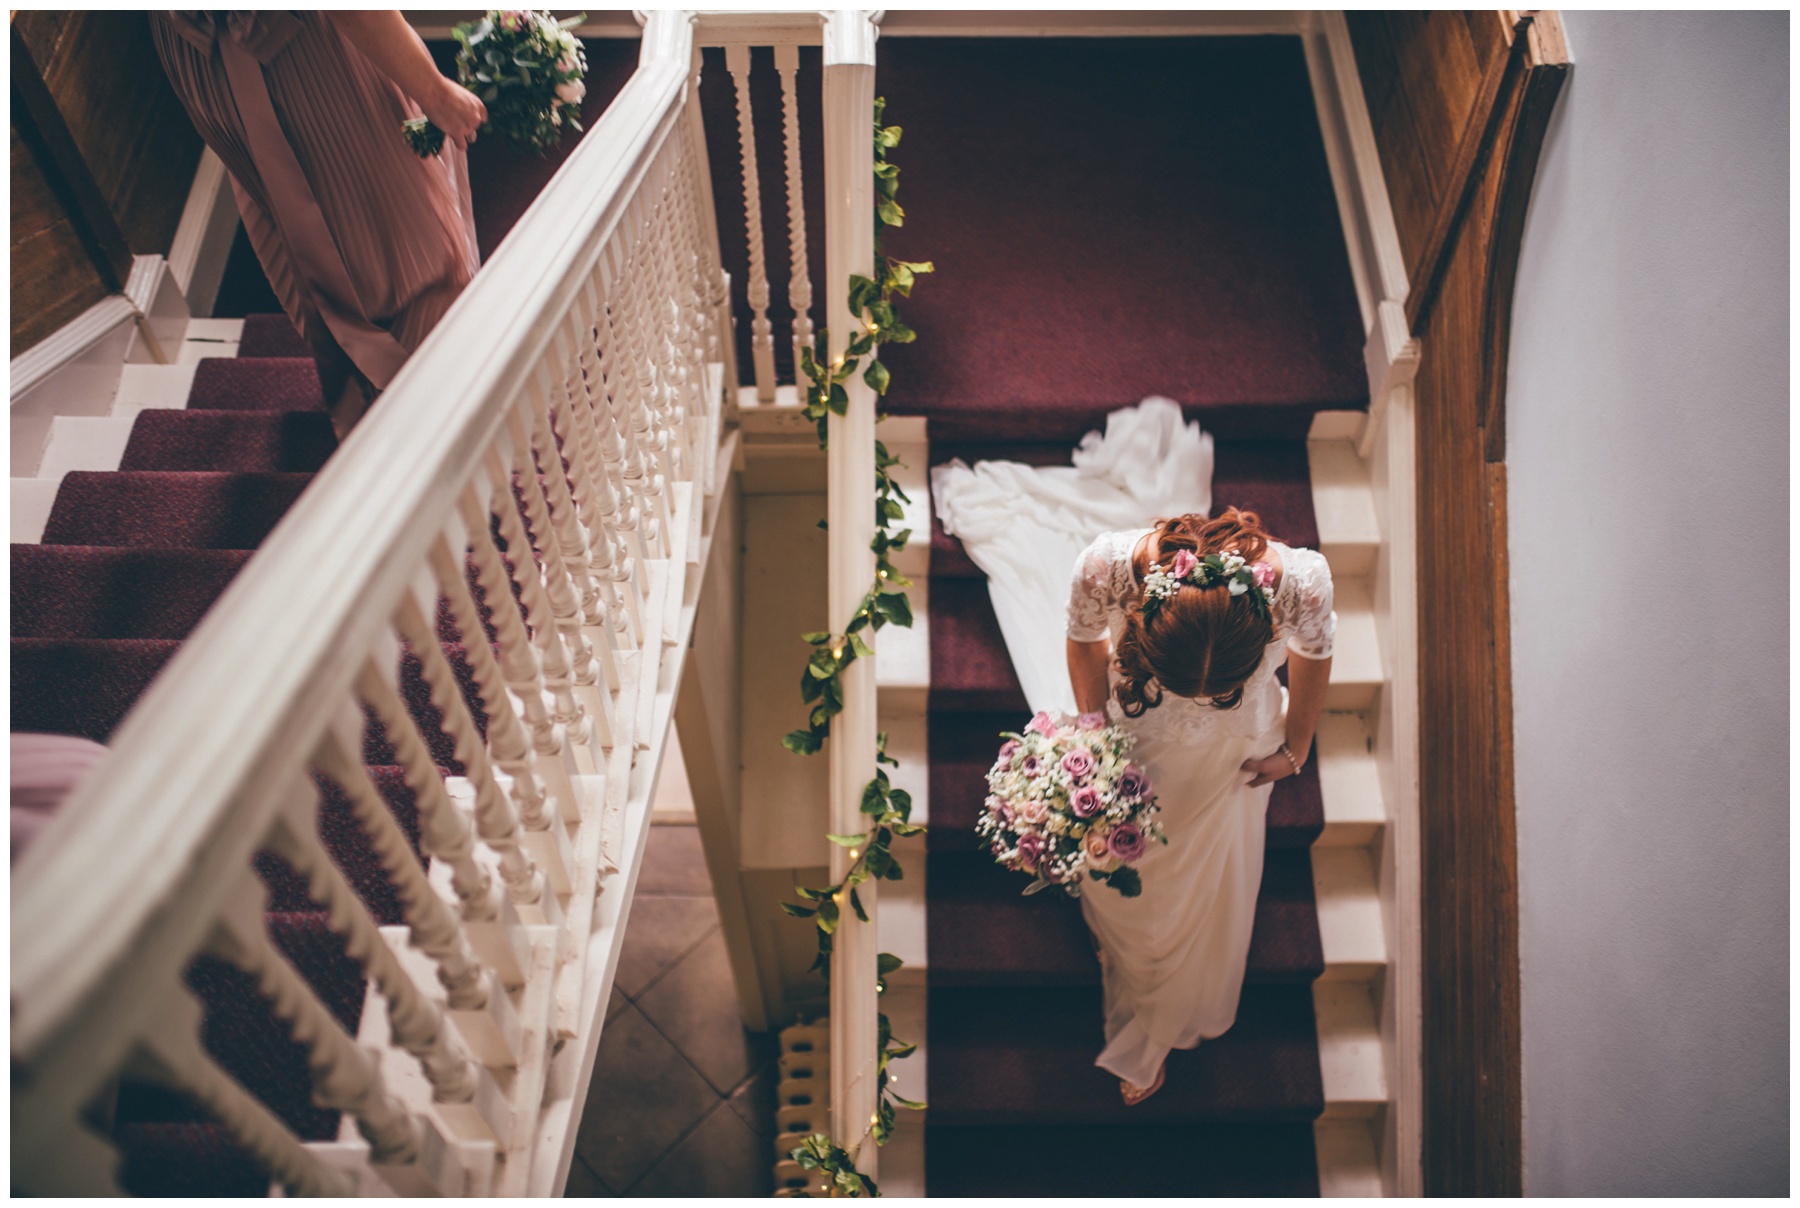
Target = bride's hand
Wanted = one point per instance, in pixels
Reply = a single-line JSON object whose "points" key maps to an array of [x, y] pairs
{"points": [[1268, 769]]}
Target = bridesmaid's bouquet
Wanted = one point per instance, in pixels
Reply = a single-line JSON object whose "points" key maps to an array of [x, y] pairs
{"points": [[528, 70], [1064, 800]]}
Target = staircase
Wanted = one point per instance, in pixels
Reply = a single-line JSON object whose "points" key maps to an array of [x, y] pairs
{"points": [[130, 559], [1172, 230]]}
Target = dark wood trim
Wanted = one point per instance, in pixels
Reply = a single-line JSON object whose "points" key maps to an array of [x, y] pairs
{"points": [[1473, 147], [40, 124], [1465, 132]]}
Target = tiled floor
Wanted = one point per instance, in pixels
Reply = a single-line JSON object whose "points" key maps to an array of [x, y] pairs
{"points": [[683, 1099]]}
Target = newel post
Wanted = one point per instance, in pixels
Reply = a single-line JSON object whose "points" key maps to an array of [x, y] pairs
{"points": [[849, 112]]}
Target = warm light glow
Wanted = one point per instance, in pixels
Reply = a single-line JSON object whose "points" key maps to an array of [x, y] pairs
{"points": [[854, 853]]}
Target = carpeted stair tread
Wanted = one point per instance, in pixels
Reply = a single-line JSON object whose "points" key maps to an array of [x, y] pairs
{"points": [[282, 441], [970, 669], [1025, 1055], [81, 686], [981, 930], [271, 336], [1181, 229], [200, 510], [256, 384], [1149, 1159], [86, 591]]}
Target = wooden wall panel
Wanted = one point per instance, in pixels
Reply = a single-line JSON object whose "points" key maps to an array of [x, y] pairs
{"points": [[53, 280], [1459, 102], [134, 135]]}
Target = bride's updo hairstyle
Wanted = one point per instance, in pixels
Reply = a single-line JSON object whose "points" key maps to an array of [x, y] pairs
{"points": [[1202, 641]]}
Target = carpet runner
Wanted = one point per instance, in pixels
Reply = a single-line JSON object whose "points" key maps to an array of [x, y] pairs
{"points": [[1110, 219]]}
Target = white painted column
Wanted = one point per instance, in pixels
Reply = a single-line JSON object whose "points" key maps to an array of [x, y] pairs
{"points": [[850, 248]]}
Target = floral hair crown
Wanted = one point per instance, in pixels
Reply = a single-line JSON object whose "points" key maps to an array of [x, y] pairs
{"points": [[1253, 579]]}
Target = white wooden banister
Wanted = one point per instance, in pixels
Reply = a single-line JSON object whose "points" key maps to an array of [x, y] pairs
{"points": [[572, 398]]}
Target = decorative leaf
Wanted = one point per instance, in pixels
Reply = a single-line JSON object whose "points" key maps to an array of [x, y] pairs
{"points": [[1126, 881], [848, 840], [856, 905], [877, 378], [799, 912], [891, 213], [802, 742], [886, 963]]}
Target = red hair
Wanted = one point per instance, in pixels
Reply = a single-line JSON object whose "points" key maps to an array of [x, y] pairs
{"points": [[1201, 642]]}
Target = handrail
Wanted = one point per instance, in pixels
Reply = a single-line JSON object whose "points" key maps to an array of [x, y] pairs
{"points": [[556, 342], [173, 770]]}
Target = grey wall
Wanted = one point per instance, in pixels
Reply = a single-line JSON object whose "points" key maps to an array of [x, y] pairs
{"points": [[1647, 414]]}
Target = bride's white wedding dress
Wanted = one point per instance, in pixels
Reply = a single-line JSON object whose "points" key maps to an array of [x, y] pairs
{"points": [[1172, 958]]}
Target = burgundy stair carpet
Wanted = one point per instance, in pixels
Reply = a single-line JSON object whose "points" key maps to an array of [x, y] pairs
{"points": [[129, 564], [1110, 219]]}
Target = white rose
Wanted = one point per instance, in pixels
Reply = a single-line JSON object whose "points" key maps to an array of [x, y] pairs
{"points": [[571, 91]]}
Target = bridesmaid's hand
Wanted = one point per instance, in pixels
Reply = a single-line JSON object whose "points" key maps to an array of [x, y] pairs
{"points": [[455, 110], [1268, 769]]}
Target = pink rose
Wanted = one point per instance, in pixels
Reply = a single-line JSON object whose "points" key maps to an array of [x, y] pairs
{"points": [[1185, 562], [1031, 850], [1030, 766], [571, 91], [1126, 842], [1091, 721], [1009, 748], [1078, 763], [1096, 847], [1262, 574], [1042, 724], [1034, 811], [514, 19], [1085, 801], [1133, 782]]}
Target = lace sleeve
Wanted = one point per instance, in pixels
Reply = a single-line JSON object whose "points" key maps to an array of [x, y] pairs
{"points": [[1303, 606], [1091, 591]]}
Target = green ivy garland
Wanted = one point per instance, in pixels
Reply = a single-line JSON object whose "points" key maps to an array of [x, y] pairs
{"points": [[821, 685]]}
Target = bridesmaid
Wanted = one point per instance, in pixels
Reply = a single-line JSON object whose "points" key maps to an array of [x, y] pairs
{"points": [[365, 244]]}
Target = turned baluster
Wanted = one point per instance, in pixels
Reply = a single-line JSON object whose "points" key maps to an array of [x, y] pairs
{"points": [[603, 524], [675, 342], [553, 657], [562, 531], [643, 457], [416, 1023], [433, 927], [495, 821], [787, 62], [620, 381], [443, 831], [345, 1077], [508, 741], [569, 412], [517, 654], [762, 346], [693, 293], [629, 401]]}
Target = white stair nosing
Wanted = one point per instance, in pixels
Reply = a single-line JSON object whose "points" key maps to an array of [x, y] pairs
{"points": [[1349, 1167], [1351, 930], [1349, 782], [32, 499], [1350, 1057], [84, 442]]}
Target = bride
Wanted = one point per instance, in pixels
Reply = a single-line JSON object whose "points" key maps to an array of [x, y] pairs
{"points": [[1180, 652]]}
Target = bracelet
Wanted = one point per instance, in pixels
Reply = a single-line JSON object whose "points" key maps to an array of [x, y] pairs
{"points": [[1285, 750]]}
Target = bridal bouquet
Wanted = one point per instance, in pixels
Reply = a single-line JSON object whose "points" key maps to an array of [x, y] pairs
{"points": [[527, 68], [1064, 800]]}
